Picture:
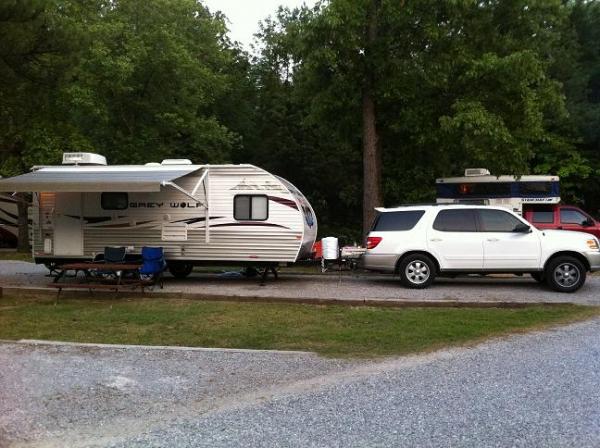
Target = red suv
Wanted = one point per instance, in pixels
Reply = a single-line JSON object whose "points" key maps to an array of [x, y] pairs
{"points": [[563, 217]]}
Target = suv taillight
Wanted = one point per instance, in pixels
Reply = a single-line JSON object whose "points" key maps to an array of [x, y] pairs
{"points": [[373, 241]]}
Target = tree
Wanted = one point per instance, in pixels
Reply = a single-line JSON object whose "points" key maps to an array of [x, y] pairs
{"points": [[150, 81], [35, 52], [448, 85]]}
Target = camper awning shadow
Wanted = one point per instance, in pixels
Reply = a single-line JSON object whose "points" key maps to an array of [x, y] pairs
{"points": [[94, 179]]}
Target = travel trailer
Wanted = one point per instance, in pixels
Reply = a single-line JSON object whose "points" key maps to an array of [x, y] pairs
{"points": [[479, 187], [199, 214], [9, 228]]}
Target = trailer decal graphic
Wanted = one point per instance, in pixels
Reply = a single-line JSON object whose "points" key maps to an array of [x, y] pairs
{"points": [[283, 201], [196, 220], [94, 219], [243, 185], [115, 226], [262, 224], [11, 215]]}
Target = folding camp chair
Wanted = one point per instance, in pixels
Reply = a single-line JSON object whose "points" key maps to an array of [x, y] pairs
{"points": [[153, 264], [112, 254]]}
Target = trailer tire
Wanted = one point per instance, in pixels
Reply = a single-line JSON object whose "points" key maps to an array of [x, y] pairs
{"points": [[180, 269]]}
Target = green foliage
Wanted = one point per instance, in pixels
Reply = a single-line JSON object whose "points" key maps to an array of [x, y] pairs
{"points": [[512, 85], [458, 84], [147, 82]]}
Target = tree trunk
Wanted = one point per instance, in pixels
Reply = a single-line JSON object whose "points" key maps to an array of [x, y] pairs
{"points": [[372, 193], [23, 222]]}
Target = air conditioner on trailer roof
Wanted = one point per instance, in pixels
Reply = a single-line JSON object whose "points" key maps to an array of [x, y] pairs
{"points": [[176, 162], [83, 158], [470, 172]]}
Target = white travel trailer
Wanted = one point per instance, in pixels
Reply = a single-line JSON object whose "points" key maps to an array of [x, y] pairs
{"points": [[9, 228], [199, 214]]}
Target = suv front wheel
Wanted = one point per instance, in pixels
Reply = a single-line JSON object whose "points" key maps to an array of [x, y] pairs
{"points": [[565, 274], [417, 271]]}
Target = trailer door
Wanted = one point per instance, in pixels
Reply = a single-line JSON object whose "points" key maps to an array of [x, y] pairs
{"points": [[68, 224]]}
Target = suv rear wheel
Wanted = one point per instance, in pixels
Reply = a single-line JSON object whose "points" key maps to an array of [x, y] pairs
{"points": [[565, 274], [417, 271]]}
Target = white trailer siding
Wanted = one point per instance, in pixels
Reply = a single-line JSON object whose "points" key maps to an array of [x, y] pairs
{"points": [[171, 219], [168, 206]]}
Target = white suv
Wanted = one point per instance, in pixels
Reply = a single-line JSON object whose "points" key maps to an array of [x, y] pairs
{"points": [[422, 242]]}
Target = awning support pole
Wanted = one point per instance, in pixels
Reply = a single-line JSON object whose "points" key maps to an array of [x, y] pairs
{"points": [[206, 209], [168, 183], [200, 181], [204, 182]]}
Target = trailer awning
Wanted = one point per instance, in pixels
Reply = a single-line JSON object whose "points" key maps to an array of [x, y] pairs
{"points": [[95, 179]]}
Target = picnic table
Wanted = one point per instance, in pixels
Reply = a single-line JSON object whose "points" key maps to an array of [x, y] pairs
{"points": [[99, 275]]}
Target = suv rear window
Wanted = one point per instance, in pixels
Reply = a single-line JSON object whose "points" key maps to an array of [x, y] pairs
{"points": [[394, 221], [459, 220]]}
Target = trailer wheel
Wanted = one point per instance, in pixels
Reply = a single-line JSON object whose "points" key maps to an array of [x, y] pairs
{"points": [[180, 269]]}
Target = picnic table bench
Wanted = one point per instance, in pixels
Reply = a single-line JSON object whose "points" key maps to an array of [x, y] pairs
{"points": [[112, 276]]}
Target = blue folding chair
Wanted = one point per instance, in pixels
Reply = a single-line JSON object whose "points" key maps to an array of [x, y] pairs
{"points": [[153, 264]]}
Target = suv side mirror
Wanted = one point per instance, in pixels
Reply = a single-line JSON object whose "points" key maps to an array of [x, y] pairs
{"points": [[522, 228], [588, 223]]}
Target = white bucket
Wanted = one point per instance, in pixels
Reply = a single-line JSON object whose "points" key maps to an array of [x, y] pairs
{"points": [[330, 248]]}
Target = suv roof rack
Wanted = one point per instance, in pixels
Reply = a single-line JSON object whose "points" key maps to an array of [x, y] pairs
{"points": [[432, 204]]}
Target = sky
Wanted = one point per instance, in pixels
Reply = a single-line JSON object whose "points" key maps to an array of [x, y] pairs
{"points": [[244, 15]]}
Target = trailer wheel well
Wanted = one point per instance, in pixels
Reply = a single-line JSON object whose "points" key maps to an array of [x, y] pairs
{"points": [[413, 252], [567, 253]]}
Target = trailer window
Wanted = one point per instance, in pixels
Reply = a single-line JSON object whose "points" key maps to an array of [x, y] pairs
{"points": [[250, 207], [395, 221], [114, 201]]}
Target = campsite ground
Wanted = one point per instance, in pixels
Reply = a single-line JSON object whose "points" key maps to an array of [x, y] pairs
{"points": [[538, 389], [348, 288], [534, 383]]}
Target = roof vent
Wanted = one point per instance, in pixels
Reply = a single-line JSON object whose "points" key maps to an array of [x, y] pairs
{"points": [[176, 162], [470, 172], [83, 158], [152, 164]]}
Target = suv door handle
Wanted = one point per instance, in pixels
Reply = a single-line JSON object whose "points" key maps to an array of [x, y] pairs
{"points": [[493, 239], [435, 240]]}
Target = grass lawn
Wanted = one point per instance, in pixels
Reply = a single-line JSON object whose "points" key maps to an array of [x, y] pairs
{"points": [[329, 330], [14, 255]]}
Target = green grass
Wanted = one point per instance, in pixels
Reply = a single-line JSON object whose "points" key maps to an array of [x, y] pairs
{"points": [[14, 255], [329, 330]]}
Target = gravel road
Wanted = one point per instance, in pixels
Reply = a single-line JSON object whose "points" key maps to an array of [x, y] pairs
{"points": [[68, 395], [540, 389], [363, 286]]}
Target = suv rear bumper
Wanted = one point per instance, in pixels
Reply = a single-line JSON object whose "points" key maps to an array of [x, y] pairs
{"points": [[594, 259], [379, 262]]}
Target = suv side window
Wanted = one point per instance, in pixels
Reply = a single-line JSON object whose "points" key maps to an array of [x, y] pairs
{"points": [[459, 220], [572, 216], [397, 221], [497, 221]]}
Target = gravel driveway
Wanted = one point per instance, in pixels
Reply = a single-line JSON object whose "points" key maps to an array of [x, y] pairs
{"points": [[540, 389], [363, 286]]}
